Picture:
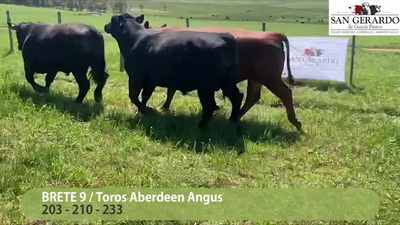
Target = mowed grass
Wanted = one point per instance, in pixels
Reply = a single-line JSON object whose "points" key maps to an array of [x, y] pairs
{"points": [[352, 137]]}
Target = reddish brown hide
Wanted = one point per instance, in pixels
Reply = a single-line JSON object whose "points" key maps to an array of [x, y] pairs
{"points": [[261, 63]]}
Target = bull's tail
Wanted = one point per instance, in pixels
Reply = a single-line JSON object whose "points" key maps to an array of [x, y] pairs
{"points": [[290, 75], [99, 75], [228, 84], [229, 87], [98, 72], [230, 78]]}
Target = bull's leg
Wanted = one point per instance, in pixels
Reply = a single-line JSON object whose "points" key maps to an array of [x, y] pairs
{"points": [[98, 92], [253, 95], [146, 94], [29, 75], [170, 96], [284, 93], [84, 85], [232, 92], [49, 79], [207, 101], [134, 89]]}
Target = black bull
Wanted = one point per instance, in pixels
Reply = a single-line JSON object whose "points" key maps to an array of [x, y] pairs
{"points": [[53, 48], [184, 60]]}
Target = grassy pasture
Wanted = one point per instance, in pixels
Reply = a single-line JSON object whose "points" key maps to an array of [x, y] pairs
{"points": [[252, 10], [19, 14], [352, 140]]}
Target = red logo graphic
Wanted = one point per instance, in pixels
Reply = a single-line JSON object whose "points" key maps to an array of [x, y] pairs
{"points": [[313, 52]]}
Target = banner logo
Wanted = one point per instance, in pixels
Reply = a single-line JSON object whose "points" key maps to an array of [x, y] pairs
{"points": [[364, 18]]}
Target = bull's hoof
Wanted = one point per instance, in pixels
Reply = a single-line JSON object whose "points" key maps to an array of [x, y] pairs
{"points": [[41, 89], [165, 108], [78, 101], [148, 111], [202, 125], [101, 102], [299, 128], [98, 99], [234, 119], [238, 131]]}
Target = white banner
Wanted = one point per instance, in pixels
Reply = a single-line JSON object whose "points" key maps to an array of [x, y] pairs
{"points": [[318, 58]]}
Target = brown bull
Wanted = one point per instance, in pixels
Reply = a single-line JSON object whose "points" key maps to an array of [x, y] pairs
{"points": [[261, 63]]}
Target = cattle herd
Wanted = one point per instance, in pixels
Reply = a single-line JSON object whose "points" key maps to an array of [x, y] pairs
{"points": [[179, 59]]}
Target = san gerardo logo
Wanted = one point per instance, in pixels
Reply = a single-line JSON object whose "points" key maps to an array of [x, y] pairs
{"points": [[313, 52], [365, 9], [363, 19], [314, 57]]}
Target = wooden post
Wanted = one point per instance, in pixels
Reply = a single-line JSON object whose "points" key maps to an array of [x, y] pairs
{"points": [[10, 33], [263, 26], [353, 52], [121, 57], [121, 63], [187, 22], [59, 17]]}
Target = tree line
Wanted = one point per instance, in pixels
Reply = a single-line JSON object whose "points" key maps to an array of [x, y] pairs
{"points": [[77, 5]]}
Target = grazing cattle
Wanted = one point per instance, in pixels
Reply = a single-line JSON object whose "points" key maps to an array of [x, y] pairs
{"points": [[183, 61], [52, 48], [261, 62]]}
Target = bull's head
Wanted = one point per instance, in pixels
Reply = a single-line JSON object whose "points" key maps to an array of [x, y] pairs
{"points": [[21, 31], [115, 27]]}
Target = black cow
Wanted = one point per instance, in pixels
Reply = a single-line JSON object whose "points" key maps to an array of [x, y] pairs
{"points": [[52, 48], [180, 60]]}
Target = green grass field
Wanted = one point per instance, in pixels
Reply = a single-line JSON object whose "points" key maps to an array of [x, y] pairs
{"points": [[310, 11], [352, 140]]}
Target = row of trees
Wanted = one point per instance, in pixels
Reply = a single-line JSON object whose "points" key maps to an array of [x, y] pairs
{"points": [[78, 5]]}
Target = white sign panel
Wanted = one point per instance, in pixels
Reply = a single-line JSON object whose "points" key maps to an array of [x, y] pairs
{"points": [[358, 17], [318, 58]]}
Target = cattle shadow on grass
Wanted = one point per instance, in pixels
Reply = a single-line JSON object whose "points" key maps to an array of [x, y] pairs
{"points": [[81, 112], [181, 130]]}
